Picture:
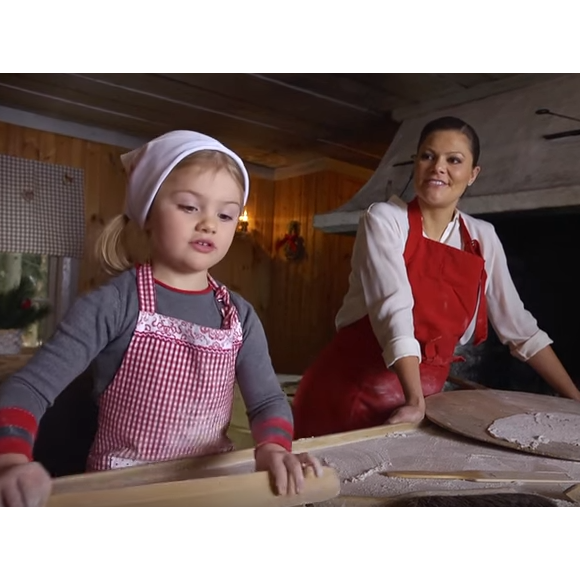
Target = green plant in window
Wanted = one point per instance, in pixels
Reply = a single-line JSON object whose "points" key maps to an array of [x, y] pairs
{"points": [[18, 308]]}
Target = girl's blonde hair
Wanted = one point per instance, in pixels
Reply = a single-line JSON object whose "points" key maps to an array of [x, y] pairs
{"points": [[122, 244]]}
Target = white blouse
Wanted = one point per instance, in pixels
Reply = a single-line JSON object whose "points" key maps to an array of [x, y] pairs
{"points": [[379, 285]]}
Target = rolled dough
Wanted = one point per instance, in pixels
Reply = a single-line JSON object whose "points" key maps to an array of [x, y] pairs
{"points": [[529, 430]]}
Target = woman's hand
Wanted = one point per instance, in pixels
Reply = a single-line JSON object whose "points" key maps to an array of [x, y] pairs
{"points": [[286, 469], [407, 414], [413, 411]]}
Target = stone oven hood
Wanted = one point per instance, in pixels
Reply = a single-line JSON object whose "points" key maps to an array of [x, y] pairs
{"points": [[528, 160]]}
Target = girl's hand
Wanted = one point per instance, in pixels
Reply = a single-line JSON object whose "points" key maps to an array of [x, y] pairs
{"points": [[24, 485], [286, 469]]}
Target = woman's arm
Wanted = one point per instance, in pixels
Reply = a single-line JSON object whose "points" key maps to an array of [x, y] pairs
{"points": [[378, 259], [407, 369], [548, 366]]}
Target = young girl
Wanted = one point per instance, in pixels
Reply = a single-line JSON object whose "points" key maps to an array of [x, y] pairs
{"points": [[167, 340]]}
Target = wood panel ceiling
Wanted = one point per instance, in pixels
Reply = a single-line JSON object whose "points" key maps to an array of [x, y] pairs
{"points": [[273, 120]]}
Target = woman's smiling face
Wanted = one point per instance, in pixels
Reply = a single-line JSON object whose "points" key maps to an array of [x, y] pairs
{"points": [[444, 168]]}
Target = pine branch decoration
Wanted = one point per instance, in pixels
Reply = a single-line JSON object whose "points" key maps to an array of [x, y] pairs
{"points": [[18, 309]]}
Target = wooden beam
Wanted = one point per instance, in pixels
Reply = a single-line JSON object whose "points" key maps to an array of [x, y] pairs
{"points": [[23, 118], [332, 130], [257, 133], [475, 93], [253, 89], [351, 88], [85, 132], [469, 80], [415, 88], [153, 88], [57, 126], [145, 116], [292, 86]]}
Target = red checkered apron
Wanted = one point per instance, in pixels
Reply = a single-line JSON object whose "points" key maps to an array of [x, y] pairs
{"points": [[173, 394]]}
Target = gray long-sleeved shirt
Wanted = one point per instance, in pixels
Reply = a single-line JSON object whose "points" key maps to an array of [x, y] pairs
{"points": [[97, 330]]}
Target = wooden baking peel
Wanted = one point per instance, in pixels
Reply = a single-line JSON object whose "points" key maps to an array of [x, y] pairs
{"points": [[471, 412]]}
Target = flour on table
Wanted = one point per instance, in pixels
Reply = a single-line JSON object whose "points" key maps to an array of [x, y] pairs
{"points": [[529, 430], [361, 466]]}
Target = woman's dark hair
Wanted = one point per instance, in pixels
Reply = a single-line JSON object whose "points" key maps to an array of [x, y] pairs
{"points": [[452, 124]]}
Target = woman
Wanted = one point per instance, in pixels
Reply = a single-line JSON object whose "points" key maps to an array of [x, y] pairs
{"points": [[416, 292]]}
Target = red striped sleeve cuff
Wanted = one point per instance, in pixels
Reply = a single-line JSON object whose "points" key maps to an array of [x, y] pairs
{"points": [[276, 430], [18, 429]]}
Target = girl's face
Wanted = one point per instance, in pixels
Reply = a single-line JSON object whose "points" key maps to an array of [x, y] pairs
{"points": [[443, 168], [193, 219]]}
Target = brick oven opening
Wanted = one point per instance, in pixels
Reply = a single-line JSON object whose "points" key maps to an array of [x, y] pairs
{"points": [[542, 251]]}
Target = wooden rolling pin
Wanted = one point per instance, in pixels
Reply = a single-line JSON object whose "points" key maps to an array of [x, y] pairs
{"points": [[190, 468], [247, 490]]}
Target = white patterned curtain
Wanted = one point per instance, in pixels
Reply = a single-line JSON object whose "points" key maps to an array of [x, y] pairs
{"points": [[41, 208]]}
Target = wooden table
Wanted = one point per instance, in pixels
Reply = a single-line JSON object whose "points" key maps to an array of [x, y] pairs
{"points": [[359, 458]]}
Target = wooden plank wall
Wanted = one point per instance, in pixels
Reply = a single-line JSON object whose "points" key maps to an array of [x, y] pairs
{"points": [[246, 269], [306, 295], [296, 302]]}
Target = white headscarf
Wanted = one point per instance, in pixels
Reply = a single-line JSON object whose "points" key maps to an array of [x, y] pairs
{"points": [[149, 165]]}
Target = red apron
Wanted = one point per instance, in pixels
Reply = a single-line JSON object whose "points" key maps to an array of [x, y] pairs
{"points": [[349, 387], [173, 393]]}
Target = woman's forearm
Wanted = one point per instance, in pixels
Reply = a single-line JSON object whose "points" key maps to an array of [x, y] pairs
{"points": [[407, 369], [548, 366]]}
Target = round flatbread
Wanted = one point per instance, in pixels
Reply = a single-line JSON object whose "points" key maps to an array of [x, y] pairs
{"points": [[529, 430]]}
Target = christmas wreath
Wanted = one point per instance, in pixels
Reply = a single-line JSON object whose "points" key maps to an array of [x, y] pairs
{"points": [[17, 307], [292, 242]]}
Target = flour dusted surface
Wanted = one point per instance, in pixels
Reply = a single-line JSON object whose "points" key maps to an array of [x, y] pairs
{"points": [[360, 465], [529, 430]]}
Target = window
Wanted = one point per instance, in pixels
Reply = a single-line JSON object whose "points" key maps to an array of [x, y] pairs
{"points": [[56, 284]]}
